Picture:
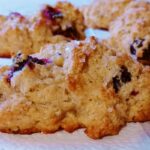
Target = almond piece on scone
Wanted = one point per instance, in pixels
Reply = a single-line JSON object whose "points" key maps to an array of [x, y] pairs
{"points": [[100, 13], [73, 85], [63, 22], [131, 31]]}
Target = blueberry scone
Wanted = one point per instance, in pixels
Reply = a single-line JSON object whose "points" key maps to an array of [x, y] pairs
{"points": [[100, 13], [62, 22], [131, 31], [70, 86]]}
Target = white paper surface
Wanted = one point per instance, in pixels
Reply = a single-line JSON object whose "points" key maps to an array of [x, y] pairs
{"points": [[135, 136], [132, 137]]}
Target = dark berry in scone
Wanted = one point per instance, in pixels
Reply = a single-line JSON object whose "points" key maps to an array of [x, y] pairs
{"points": [[21, 60], [140, 48], [51, 13], [123, 77]]}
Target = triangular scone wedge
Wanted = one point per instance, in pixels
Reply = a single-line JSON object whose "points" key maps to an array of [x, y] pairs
{"points": [[68, 86]]}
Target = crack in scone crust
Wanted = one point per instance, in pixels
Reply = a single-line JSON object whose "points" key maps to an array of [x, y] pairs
{"points": [[71, 86]]}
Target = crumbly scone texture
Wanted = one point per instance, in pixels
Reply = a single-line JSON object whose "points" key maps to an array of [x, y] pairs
{"points": [[100, 13], [70, 86], [131, 31], [63, 22]]}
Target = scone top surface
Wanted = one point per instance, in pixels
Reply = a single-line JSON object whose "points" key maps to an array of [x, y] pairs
{"points": [[61, 22], [131, 31], [100, 13]]}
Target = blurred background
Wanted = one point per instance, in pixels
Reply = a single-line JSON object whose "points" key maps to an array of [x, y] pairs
{"points": [[28, 7]]}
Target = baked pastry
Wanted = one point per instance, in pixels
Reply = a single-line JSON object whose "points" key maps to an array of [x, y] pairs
{"points": [[100, 13], [128, 79], [62, 22], [131, 31], [70, 86]]}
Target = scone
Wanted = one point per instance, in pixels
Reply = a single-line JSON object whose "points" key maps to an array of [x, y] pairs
{"points": [[59, 88], [128, 79], [131, 31], [100, 13], [62, 22], [73, 85]]}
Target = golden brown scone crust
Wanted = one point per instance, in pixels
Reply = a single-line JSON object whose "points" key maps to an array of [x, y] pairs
{"points": [[70, 86], [100, 13], [131, 31], [62, 22]]}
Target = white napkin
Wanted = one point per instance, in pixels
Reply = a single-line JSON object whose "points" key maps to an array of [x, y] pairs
{"points": [[132, 137]]}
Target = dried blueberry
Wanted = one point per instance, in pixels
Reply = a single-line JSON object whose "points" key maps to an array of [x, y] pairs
{"points": [[52, 13], [139, 42], [37, 61], [116, 83], [19, 65], [134, 93], [136, 44], [142, 53], [125, 75], [20, 62], [132, 50], [146, 54]]}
